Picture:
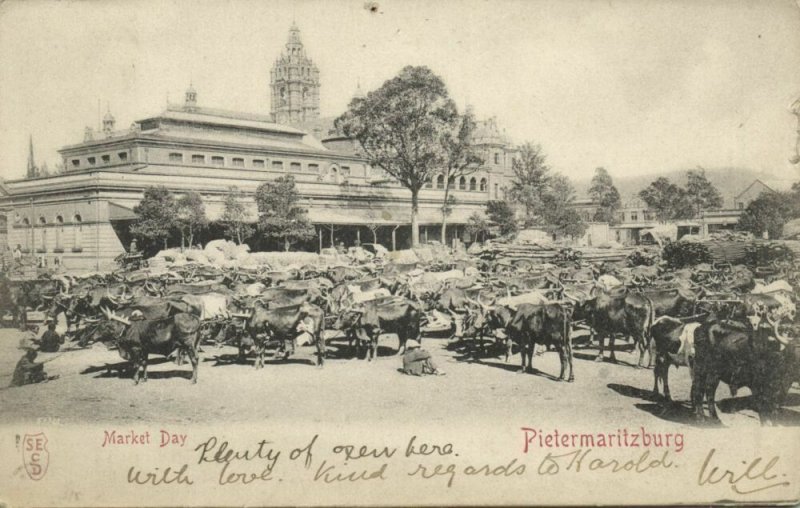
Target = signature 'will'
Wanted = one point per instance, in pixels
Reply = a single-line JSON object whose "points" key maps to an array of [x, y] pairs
{"points": [[754, 476]]}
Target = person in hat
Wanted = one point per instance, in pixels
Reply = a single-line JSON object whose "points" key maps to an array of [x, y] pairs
{"points": [[417, 361], [27, 370], [51, 341]]}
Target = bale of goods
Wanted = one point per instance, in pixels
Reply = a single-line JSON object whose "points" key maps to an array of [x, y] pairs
{"points": [[767, 253], [733, 252], [682, 254]]}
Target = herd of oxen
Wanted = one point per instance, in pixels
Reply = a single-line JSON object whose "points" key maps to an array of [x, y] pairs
{"points": [[709, 318]]}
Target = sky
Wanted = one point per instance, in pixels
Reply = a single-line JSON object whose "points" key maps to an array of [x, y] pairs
{"points": [[633, 86]]}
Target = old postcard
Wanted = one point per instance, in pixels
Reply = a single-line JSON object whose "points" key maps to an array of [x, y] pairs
{"points": [[390, 253]]}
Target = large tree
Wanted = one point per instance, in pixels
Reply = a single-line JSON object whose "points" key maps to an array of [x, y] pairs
{"points": [[461, 159], [156, 214], [279, 216], [701, 193], [235, 218], [400, 127], [769, 212], [605, 194], [557, 213], [502, 215], [667, 200], [531, 180], [190, 216]]}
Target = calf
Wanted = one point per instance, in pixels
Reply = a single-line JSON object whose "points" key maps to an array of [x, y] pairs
{"points": [[673, 342]]}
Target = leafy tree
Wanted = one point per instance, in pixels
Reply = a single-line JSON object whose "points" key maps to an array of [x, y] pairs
{"points": [[501, 214], [235, 217], [768, 213], [605, 194], [531, 180], [156, 214], [190, 216], [558, 213], [461, 158], [477, 226], [667, 200], [278, 214], [701, 193], [401, 127]]}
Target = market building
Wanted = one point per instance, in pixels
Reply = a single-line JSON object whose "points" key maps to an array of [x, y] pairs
{"points": [[80, 218]]}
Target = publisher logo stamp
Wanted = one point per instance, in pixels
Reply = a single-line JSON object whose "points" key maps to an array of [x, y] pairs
{"points": [[35, 455]]}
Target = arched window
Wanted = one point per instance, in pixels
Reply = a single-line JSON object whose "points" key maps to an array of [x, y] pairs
{"points": [[451, 184], [473, 184], [26, 243], [59, 232], [483, 184], [429, 184], [78, 233], [496, 191], [440, 182], [497, 157], [462, 183], [43, 226]]}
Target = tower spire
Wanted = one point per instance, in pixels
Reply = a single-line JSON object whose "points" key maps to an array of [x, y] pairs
{"points": [[33, 171]]}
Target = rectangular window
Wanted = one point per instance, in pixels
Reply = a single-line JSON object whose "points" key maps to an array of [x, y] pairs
{"points": [[217, 160], [294, 166], [346, 170], [198, 159], [634, 216], [178, 157], [106, 159], [76, 163], [123, 156], [91, 160], [238, 162], [313, 168], [277, 165], [258, 163]]}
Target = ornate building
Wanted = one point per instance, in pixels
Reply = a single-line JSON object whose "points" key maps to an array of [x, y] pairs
{"points": [[80, 219], [294, 82]]}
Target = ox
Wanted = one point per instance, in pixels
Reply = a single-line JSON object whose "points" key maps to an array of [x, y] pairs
{"points": [[547, 324], [370, 319]]}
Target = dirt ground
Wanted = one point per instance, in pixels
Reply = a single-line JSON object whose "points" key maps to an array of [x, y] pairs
{"points": [[348, 389]]}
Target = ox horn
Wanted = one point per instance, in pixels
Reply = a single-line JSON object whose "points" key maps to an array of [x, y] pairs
{"points": [[780, 338]]}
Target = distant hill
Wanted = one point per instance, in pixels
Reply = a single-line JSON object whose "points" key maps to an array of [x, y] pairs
{"points": [[729, 182]]}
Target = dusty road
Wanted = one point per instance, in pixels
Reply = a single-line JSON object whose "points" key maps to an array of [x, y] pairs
{"points": [[347, 390]]}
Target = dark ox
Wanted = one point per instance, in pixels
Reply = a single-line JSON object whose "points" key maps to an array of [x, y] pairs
{"points": [[269, 323], [740, 354], [162, 332], [547, 324], [369, 320]]}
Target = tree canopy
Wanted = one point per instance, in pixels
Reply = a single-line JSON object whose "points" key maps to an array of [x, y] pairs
{"points": [[156, 216], [531, 179], [667, 200], [770, 211], [701, 193], [401, 128], [279, 216], [477, 226], [605, 194], [502, 214], [190, 216], [235, 218], [461, 159]]}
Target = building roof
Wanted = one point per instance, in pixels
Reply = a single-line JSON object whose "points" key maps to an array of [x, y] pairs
{"points": [[227, 118], [756, 181]]}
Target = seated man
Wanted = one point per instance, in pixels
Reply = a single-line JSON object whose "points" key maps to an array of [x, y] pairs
{"points": [[417, 361], [27, 370], [51, 341]]}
